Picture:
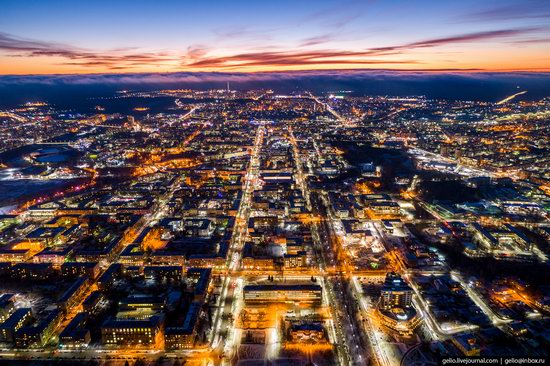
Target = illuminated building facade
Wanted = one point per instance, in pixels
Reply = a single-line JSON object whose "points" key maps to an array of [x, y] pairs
{"points": [[395, 308], [13, 323], [125, 332], [260, 294], [395, 293]]}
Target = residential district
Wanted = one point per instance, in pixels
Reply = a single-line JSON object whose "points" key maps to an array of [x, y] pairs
{"points": [[227, 227]]}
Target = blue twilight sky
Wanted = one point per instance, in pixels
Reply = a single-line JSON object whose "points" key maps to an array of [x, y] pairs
{"points": [[137, 36]]}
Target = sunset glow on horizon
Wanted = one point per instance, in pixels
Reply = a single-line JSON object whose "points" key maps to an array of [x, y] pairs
{"points": [[104, 37]]}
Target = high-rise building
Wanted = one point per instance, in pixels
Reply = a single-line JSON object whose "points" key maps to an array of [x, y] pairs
{"points": [[395, 292], [395, 306]]}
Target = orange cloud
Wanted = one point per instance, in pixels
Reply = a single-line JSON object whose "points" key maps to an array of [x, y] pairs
{"points": [[119, 59], [24, 56]]}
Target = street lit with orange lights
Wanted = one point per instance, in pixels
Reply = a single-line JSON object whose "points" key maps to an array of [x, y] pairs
{"points": [[237, 227]]}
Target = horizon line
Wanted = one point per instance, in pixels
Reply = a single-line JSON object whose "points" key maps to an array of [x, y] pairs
{"points": [[343, 70]]}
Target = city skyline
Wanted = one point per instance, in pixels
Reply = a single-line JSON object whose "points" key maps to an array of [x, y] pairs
{"points": [[82, 38]]}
